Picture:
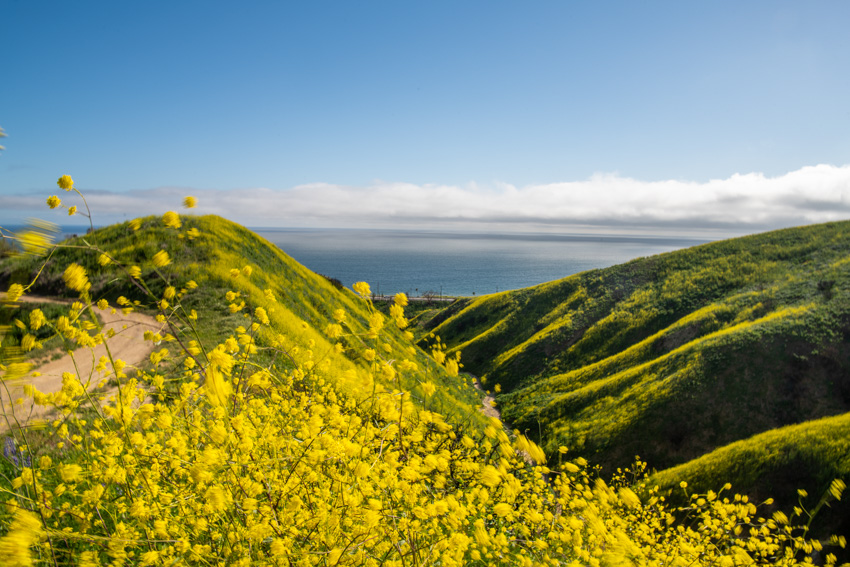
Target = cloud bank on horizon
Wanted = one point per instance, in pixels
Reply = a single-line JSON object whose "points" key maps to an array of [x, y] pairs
{"points": [[610, 203]]}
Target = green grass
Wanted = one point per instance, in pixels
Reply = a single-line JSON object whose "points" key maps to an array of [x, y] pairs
{"points": [[673, 356], [305, 300], [775, 464]]}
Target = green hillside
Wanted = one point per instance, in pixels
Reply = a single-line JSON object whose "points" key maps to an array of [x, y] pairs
{"points": [[672, 356], [208, 248], [775, 464]]}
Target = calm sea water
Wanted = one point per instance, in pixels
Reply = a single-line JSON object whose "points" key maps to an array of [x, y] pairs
{"points": [[457, 263]]}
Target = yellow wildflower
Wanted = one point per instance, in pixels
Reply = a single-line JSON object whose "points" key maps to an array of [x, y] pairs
{"points": [[53, 201], [104, 260], [190, 202], [37, 319], [362, 289], [24, 532], [388, 372], [34, 242], [836, 488], [171, 220], [490, 476], [628, 497], [451, 367], [333, 330], [216, 386], [72, 211], [376, 321], [70, 473], [65, 182], [75, 277], [15, 292], [502, 509], [161, 259], [400, 299]]}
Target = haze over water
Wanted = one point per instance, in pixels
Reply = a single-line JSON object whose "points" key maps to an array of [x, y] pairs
{"points": [[414, 262]]}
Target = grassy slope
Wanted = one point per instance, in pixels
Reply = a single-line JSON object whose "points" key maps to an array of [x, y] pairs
{"points": [[775, 464], [305, 299], [672, 356]]}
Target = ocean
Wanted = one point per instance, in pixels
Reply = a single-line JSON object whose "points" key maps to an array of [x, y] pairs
{"points": [[458, 264]]}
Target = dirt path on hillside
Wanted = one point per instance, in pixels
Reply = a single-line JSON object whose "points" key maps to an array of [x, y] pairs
{"points": [[487, 409], [490, 411], [128, 344]]}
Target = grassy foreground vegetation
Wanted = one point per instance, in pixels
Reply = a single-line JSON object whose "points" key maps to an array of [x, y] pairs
{"points": [[284, 422]]}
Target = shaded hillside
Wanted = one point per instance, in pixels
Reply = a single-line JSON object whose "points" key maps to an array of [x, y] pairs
{"points": [[208, 248], [775, 464], [671, 356]]}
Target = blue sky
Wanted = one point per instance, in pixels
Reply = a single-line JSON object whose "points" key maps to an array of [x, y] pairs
{"points": [[718, 116]]}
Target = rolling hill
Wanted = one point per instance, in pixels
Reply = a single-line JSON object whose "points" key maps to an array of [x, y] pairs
{"points": [[673, 356], [209, 248]]}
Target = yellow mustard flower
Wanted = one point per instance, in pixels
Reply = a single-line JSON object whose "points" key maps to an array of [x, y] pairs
{"points": [[161, 259], [65, 182], [15, 292], [171, 219], [35, 242], [362, 289], [37, 319], [24, 532], [75, 277], [451, 367]]}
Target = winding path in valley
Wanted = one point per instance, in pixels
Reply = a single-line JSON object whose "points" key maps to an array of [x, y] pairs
{"points": [[128, 344], [486, 407]]}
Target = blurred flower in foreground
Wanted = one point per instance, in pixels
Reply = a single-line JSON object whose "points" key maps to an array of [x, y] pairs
{"points": [[15, 292], [190, 202], [37, 237], [171, 220]]}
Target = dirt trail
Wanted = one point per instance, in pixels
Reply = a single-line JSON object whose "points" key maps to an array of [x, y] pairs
{"points": [[128, 344], [486, 408]]}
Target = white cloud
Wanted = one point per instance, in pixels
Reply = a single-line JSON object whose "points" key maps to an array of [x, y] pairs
{"points": [[605, 202]]}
